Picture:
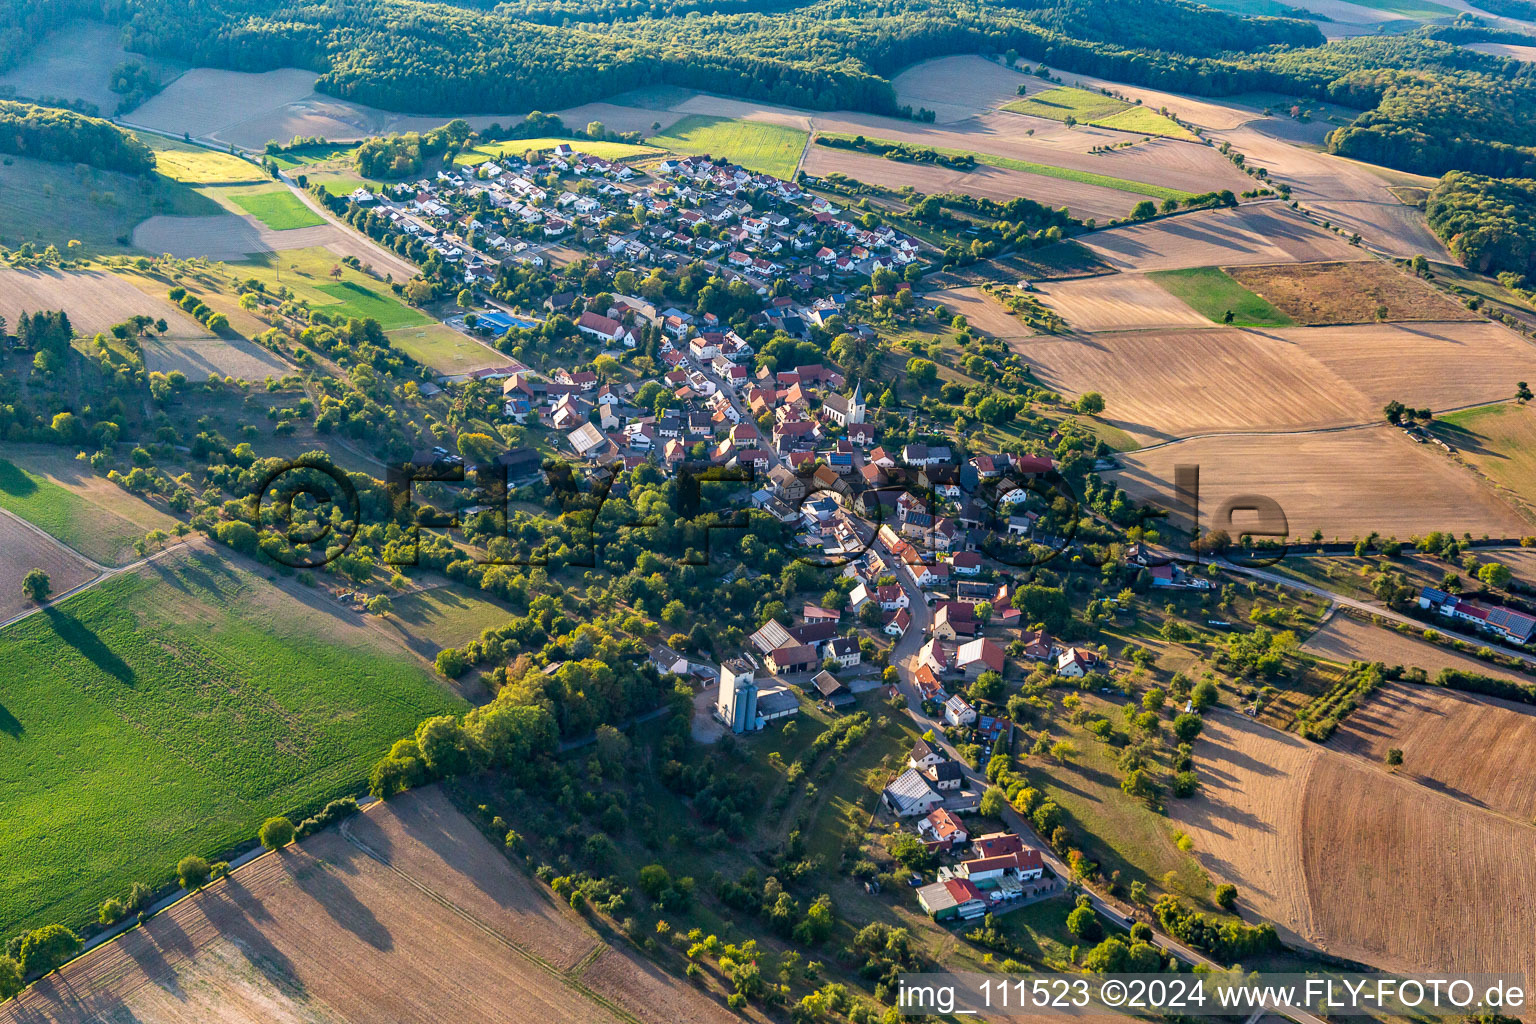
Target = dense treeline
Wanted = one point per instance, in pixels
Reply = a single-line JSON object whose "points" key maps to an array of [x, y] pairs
{"points": [[62, 136], [1489, 224], [409, 56], [1474, 682], [1523, 10], [1431, 106]]}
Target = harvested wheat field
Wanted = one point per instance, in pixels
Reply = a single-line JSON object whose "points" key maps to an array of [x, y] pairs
{"points": [[22, 549], [94, 300], [405, 913], [1117, 302], [1349, 293], [1478, 749], [998, 183], [1345, 639], [1367, 833], [981, 311], [1321, 843], [1439, 366], [1164, 384], [1346, 483], [1255, 233]]}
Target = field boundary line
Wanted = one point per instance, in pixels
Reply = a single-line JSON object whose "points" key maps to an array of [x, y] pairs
{"points": [[567, 979], [34, 528], [103, 574], [1308, 430]]}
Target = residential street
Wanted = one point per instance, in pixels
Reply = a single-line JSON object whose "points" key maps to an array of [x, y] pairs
{"points": [[904, 657]]}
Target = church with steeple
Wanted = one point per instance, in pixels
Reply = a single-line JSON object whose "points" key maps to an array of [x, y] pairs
{"points": [[846, 411]]}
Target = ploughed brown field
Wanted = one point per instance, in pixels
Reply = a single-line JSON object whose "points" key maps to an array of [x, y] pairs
{"points": [[404, 914], [1349, 293], [1366, 865], [1479, 749], [1346, 483], [23, 549], [1253, 233]]}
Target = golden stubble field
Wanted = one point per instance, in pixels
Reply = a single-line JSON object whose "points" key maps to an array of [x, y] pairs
{"points": [[1344, 638], [1117, 302], [1479, 749], [1368, 866], [1346, 483], [94, 300], [1170, 381], [406, 914]]}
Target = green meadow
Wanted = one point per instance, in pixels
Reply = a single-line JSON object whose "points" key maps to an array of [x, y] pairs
{"points": [[767, 148], [279, 210], [1212, 292], [171, 710]]}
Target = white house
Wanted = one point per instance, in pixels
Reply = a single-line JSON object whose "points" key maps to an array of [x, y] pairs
{"points": [[910, 795], [1074, 662], [958, 711]]}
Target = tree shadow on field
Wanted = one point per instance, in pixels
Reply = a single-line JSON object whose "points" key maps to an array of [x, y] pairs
{"points": [[14, 482], [239, 914], [10, 725], [319, 879], [79, 636]]}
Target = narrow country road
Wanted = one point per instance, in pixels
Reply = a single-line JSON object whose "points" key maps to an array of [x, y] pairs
{"points": [[1372, 608], [103, 572], [904, 657]]}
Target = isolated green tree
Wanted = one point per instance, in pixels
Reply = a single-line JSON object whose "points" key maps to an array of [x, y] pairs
{"points": [[36, 585], [48, 948]]}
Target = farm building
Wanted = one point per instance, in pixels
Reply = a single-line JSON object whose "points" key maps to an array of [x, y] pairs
{"points": [[954, 899], [832, 689], [792, 658], [979, 656], [775, 702]]}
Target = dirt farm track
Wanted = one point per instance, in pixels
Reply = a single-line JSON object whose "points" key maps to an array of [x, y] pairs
{"points": [[405, 914], [1324, 845]]}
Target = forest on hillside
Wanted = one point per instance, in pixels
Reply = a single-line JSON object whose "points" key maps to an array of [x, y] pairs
{"points": [[63, 136], [1489, 224], [1431, 106]]}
